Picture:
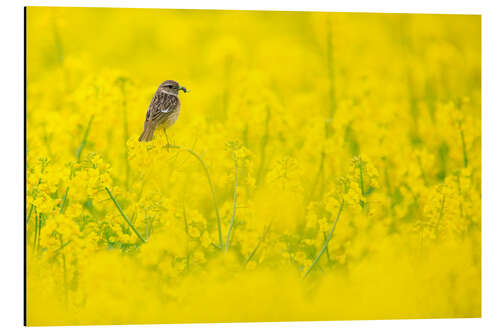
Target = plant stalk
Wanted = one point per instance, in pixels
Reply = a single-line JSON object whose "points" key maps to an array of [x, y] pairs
{"points": [[234, 201], [325, 245], [212, 188], [124, 216]]}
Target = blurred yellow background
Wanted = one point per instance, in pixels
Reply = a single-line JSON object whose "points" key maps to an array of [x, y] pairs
{"points": [[327, 166]]}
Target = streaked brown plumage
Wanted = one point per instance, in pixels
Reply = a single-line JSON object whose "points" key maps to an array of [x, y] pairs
{"points": [[163, 110]]}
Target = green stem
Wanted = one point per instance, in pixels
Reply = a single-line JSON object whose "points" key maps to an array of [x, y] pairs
{"points": [[441, 210], [29, 214], [62, 246], [36, 232], [325, 245], [35, 194], [65, 197], [318, 175], [40, 220], [424, 177], [212, 188], [466, 160], [124, 216], [361, 184], [234, 201], [261, 238], [63, 204], [84, 140], [327, 253]]}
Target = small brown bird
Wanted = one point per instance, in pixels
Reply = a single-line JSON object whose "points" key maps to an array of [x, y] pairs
{"points": [[163, 110]]}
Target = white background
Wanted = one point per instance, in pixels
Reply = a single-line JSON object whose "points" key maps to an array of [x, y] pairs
{"points": [[12, 145]]}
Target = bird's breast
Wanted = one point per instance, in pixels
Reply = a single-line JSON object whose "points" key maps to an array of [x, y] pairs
{"points": [[170, 118]]}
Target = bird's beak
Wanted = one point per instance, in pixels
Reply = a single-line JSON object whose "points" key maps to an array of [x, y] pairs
{"points": [[183, 89]]}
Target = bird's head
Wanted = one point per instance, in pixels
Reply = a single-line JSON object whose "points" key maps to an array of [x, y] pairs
{"points": [[171, 87]]}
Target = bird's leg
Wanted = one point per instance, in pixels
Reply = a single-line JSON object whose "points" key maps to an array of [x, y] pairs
{"points": [[166, 136]]}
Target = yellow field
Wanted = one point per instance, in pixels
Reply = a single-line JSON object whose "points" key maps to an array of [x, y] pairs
{"points": [[323, 167]]}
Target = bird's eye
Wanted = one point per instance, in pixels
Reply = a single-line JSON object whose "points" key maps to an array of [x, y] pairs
{"points": [[169, 86]]}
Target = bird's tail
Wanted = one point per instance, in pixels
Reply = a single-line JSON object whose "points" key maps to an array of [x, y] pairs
{"points": [[147, 135]]}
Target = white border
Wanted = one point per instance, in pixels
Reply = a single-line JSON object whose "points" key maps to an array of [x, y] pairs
{"points": [[11, 173]]}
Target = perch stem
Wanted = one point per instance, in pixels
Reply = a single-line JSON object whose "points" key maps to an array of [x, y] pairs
{"points": [[212, 188]]}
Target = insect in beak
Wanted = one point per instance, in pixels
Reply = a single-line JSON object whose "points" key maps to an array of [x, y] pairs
{"points": [[183, 89]]}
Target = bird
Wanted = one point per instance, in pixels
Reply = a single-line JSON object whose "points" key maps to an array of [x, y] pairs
{"points": [[163, 110]]}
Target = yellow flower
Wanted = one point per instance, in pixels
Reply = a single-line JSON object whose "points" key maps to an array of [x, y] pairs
{"points": [[193, 232], [206, 240], [323, 225], [199, 257]]}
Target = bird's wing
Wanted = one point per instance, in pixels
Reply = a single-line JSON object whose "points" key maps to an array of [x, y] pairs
{"points": [[161, 105]]}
